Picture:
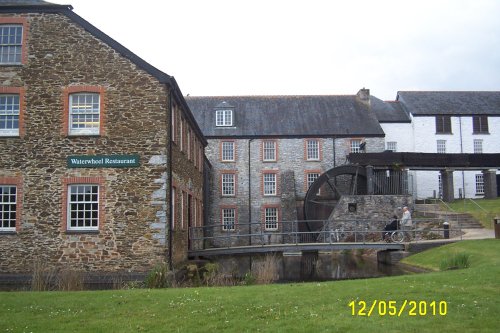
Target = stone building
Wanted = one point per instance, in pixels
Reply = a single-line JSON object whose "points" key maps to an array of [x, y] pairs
{"points": [[88, 162], [446, 122], [267, 150]]}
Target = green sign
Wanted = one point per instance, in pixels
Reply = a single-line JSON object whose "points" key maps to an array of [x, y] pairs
{"points": [[103, 161]]}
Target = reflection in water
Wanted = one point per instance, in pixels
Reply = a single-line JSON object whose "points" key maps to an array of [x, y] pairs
{"points": [[334, 266]]}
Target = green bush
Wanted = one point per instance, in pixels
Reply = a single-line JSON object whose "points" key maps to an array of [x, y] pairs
{"points": [[456, 261], [249, 279]]}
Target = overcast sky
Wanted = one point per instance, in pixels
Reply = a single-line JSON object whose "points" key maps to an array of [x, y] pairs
{"points": [[289, 47]]}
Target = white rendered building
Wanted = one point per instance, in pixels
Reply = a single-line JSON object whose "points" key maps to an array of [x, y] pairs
{"points": [[443, 122]]}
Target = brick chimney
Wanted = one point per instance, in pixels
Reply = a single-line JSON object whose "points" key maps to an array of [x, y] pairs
{"points": [[363, 96]]}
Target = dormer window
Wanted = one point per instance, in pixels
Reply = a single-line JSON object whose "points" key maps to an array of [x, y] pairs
{"points": [[224, 117]]}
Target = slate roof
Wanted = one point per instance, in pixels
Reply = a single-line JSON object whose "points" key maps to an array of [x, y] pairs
{"points": [[389, 112], [466, 103], [24, 2], [287, 116]]}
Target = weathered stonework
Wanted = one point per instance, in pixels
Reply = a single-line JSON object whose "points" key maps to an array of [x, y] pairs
{"points": [[291, 168], [134, 232]]}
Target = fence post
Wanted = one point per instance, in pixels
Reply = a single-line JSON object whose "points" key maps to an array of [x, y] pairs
{"points": [[446, 227]]}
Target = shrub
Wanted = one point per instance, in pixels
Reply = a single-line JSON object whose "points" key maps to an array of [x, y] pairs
{"points": [[159, 277], [43, 277], [249, 279], [212, 276], [267, 271], [456, 261], [70, 280]]}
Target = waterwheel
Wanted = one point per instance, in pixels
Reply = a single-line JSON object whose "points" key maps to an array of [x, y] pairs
{"points": [[325, 192]]}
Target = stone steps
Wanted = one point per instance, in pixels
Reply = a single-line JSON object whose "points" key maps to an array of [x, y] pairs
{"points": [[464, 220]]}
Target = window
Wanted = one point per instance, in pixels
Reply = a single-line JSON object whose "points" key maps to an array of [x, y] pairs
{"points": [[173, 114], [183, 208], [227, 151], [443, 124], [312, 150], [8, 207], [174, 211], [189, 143], [479, 184], [480, 124], [271, 218], [228, 184], [228, 216], [11, 43], [392, 146], [9, 115], [441, 146], [355, 146], [224, 118], [478, 146], [83, 207], [269, 151], [181, 139], [269, 180], [83, 110], [311, 178]]}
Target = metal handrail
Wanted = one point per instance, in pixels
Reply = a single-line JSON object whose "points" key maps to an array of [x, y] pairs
{"points": [[288, 233], [475, 203], [446, 205]]}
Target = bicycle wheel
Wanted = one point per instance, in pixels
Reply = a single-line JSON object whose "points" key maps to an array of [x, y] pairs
{"points": [[397, 236]]}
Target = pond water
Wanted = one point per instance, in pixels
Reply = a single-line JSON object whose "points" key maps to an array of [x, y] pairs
{"points": [[335, 266]]}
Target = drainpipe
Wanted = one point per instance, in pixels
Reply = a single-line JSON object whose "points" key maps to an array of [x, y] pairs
{"points": [[333, 141], [461, 152], [249, 202], [249, 194], [169, 195]]}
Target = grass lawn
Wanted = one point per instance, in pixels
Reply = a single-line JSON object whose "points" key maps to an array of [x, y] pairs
{"points": [[491, 206], [471, 295]]}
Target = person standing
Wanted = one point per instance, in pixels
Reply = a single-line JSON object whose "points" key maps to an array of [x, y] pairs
{"points": [[406, 222]]}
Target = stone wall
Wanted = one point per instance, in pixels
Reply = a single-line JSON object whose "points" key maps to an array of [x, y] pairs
{"points": [[367, 212], [291, 168], [133, 232]]}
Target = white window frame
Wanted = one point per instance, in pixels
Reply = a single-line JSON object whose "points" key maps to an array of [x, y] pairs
{"points": [[173, 202], [181, 139], [312, 150], [269, 151], [224, 118], [311, 178], [355, 146], [271, 217], [10, 107], [392, 146], [86, 208], [270, 181], [478, 146], [189, 142], [227, 151], [6, 204], [91, 127], [228, 218], [7, 48], [441, 146], [183, 208], [228, 184], [479, 184]]}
